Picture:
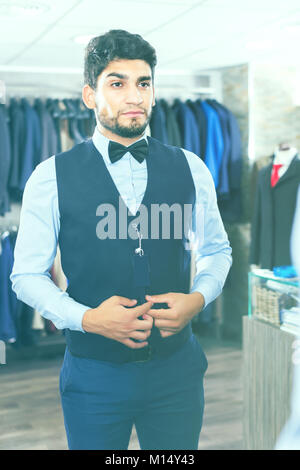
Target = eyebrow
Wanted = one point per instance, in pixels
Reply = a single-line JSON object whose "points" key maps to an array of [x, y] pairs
{"points": [[125, 77]]}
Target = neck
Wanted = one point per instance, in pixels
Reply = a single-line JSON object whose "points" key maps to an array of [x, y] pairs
{"points": [[117, 138], [284, 157]]}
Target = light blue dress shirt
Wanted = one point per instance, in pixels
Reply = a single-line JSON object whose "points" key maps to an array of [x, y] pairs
{"points": [[37, 238]]}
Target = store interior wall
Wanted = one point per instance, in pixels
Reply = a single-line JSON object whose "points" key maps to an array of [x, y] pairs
{"points": [[264, 98], [275, 107]]}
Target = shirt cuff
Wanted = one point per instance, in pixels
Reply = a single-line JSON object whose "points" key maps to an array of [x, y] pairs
{"points": [[209, 291], [75, 312]]}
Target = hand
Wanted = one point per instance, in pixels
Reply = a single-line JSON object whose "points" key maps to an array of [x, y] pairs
{"points": [[183, 307], [113, 320]]}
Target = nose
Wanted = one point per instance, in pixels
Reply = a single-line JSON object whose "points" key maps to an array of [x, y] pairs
{"points": [[134, 95]]}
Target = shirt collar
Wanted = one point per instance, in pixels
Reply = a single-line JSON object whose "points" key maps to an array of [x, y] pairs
{"points": [[101, 143]]}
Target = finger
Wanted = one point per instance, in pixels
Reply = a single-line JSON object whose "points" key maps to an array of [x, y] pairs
{"points": [[148, 317], [166, 333], [133, 345], [142, 324], [141, 335], [141, 309], [161, 313], [125, 301], [167, 324], [160, 298]]}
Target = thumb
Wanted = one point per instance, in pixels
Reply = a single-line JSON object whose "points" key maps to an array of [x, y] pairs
{"points": [[126, 302], [147, 317]]}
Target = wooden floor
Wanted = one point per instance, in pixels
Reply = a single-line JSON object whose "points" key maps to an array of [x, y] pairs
{"points": [[31, 416]]}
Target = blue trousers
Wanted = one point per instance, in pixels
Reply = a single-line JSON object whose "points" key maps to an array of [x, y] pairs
{"points": [[163, 398]]}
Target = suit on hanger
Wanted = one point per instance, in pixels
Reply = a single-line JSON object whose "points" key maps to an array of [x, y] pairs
{"points": [[215, 145], [17, 134], [172, 128], [49, 137], [188, 127], [235, 156], [202, 125], [224, 185], [7, 325], [273, 217], [231, 208], [33, 141], [158, 124], [5, 160]]}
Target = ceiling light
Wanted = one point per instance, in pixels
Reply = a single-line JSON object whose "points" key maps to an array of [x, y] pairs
{"points": [[15, 8], [263, 44]]}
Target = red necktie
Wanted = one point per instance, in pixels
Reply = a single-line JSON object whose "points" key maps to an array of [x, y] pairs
{"points": [[274, 175]]}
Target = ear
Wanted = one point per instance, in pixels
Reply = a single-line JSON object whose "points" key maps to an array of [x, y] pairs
{"points": [[88, 97], [153, 101]]}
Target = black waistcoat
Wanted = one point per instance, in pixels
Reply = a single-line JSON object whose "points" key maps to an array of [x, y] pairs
{"points": [[97, 268]]}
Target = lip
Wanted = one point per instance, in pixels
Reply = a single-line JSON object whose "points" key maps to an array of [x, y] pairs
{"points": [[134, 113]]}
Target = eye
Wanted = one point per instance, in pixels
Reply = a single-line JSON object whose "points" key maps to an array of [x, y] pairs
{"points": [[116, 83], [145, 83]]}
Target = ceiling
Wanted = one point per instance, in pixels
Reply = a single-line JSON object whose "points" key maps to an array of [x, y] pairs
{"points": [[37, 37]]}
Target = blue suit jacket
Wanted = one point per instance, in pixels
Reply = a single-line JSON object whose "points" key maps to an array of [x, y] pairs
{"points": [[17, 133], [235, 156], [224, 186], [7, 296], [215, 144], [158, 125], [5, 158], [33, 141], [188, 127]]}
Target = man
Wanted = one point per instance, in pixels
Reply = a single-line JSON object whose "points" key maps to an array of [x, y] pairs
{"points": [[131, 357]]}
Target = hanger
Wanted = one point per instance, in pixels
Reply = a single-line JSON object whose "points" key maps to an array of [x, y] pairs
{"points": [[5, 232], [71, 111], [284, 146], [82, 111]]}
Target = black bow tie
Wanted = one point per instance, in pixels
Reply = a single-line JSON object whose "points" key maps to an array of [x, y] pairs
{"points": [[139, 150]]}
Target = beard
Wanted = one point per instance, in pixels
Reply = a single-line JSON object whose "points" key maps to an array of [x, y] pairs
{"points": [[133, 129]]}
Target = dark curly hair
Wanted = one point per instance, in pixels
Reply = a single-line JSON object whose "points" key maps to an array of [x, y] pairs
{"points": [[113, 45]]}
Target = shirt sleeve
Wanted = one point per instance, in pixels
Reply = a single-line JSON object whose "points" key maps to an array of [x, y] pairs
{"points": [[35, 251], [210, 244]]}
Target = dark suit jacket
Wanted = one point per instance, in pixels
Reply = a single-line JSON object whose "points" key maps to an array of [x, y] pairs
{"points": [[158, 124], [235, 156], [48, 132], [202, 125], [4, 160], [188, 127], [230, 205], [33, 141], [224, 186], [17, 133], [273, 217], [172, 128]]}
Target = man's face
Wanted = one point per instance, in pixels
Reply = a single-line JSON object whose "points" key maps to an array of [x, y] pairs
{"points": [[124, 97]]}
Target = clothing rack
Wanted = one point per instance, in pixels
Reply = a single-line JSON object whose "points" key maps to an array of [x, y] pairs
{"points": [[64, 82]]}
